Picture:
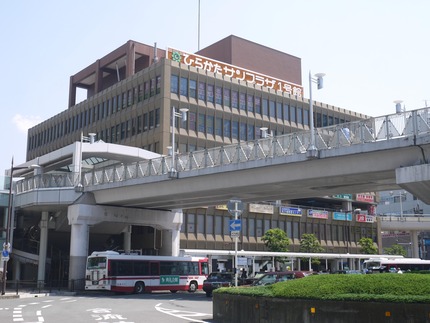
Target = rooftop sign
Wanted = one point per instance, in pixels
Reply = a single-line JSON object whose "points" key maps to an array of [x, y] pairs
{"points": [[239, 73]]}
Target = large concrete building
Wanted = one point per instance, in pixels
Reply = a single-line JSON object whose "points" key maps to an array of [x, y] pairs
{"points": [[232, 89]]}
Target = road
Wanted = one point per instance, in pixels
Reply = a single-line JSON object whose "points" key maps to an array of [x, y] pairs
{"points": [[109, 308]]}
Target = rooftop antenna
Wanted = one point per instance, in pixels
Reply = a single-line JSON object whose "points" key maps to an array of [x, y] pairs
{"points": [[198, 30], [117, 72], [425, 101], [155, 59]]}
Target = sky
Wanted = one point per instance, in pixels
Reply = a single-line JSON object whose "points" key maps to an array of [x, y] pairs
{"points": [[373, 52]]}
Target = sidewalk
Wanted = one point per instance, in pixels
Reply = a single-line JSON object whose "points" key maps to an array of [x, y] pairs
{"points": [[23, 294]]}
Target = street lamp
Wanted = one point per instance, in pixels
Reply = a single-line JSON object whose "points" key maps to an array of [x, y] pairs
{"points": [[183, 115], [7, 244], [400, 195], [312, 150]]}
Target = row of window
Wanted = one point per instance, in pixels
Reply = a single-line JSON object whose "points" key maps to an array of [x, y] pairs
{"points": [[100, 111], [251, 227], [238, 100]]}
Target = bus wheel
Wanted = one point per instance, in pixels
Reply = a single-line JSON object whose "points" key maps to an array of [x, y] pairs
{"points": [[139, 288], [173, 291], [193, 287]]}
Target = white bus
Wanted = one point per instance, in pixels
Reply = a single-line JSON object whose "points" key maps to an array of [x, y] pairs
{"points": [[112, 271], [393, 265]]}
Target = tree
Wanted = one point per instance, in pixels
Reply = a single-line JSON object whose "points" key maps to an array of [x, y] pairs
{"points": [[276, 240], [310, 243], [367, 246], [396, 249]]}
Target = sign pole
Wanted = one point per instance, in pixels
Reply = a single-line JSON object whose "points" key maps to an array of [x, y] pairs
{"points": [[235, 247], [235, 208]]}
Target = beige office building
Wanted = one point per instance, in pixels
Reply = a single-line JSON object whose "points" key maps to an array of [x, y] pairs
{"points": [[232, 89]]}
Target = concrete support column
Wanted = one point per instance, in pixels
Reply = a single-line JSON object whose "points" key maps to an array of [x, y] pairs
{"points": [[16, 269], [414, 245], [78, 250], [171, 237], [127, 239], [41, 269]]}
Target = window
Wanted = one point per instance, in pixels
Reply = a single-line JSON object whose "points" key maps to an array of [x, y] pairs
{"points": [[193, 89], [218, 224], [191, 223], [265, 107], [257, 105], [227, 128], [192, 121], [259, 227], [279, 110], [158, 85], [145, 122], [227, 97], [242, 101], [151, 119], [293, 114], [202, 125], [218, 126], [299, 115], [242, 133], [306, 117], [202, 91], [235, 129], [157, 117], [286, 112], [234, 99], [152, 87], [210, 124], [211, 94], [200, 223], [272, 111], [251, 133], [251, 230], [218, 95], [250, 102], [209, 224], [184, 86]]}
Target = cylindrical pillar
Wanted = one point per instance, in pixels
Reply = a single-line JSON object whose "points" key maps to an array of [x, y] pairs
{"points": [[43, 245]]}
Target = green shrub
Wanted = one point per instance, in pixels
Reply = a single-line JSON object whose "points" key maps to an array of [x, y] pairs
{"points": [[406, 288]]}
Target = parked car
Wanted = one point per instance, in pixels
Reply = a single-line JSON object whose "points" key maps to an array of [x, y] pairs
{"points": [[216, 280], [269, 278], [223, 279]]}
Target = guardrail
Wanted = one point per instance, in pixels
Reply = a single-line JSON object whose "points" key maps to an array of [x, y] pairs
{"points": [[406, 124]]}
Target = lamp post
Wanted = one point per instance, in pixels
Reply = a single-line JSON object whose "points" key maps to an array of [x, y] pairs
{"points": [[400, 195], [312, 150], [183, 116], [7, 244]]}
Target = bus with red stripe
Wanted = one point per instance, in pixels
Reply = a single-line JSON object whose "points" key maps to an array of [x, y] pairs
{"points": [[133, 273]]}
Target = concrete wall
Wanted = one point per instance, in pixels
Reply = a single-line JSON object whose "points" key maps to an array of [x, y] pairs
{"points": [[247, 309]]}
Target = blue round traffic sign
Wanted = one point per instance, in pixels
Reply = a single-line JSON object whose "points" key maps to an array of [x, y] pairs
{"points": [[5, 253]]}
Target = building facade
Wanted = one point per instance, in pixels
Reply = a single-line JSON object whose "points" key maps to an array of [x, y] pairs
{"points": [[231, 89]]}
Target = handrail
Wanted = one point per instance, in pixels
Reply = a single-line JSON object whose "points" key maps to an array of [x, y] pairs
{"points": [[406, 124]]}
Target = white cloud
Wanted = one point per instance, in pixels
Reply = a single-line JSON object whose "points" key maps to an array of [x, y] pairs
{"points": [[23, 123]]}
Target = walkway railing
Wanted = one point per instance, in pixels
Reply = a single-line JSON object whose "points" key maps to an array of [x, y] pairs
{"points": [[406, 124]]}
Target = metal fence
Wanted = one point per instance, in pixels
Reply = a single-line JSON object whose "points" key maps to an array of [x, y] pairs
{"points": [[405, 124]]}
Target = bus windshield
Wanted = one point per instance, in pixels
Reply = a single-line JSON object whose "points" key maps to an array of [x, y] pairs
{"points": [[96, 263]]}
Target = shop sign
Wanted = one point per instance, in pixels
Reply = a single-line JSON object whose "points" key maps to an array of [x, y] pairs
{"points": [[221, 207], [343, 196], [239, 73], [319, 214], [292, 211], [341, 216], [261, 208], [362, 197]]}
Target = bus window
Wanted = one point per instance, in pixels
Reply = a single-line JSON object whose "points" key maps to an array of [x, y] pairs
{"points": [[155, 268]]}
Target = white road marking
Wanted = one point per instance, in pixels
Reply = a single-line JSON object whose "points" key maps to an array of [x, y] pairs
{"points": [[185, 315]]}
